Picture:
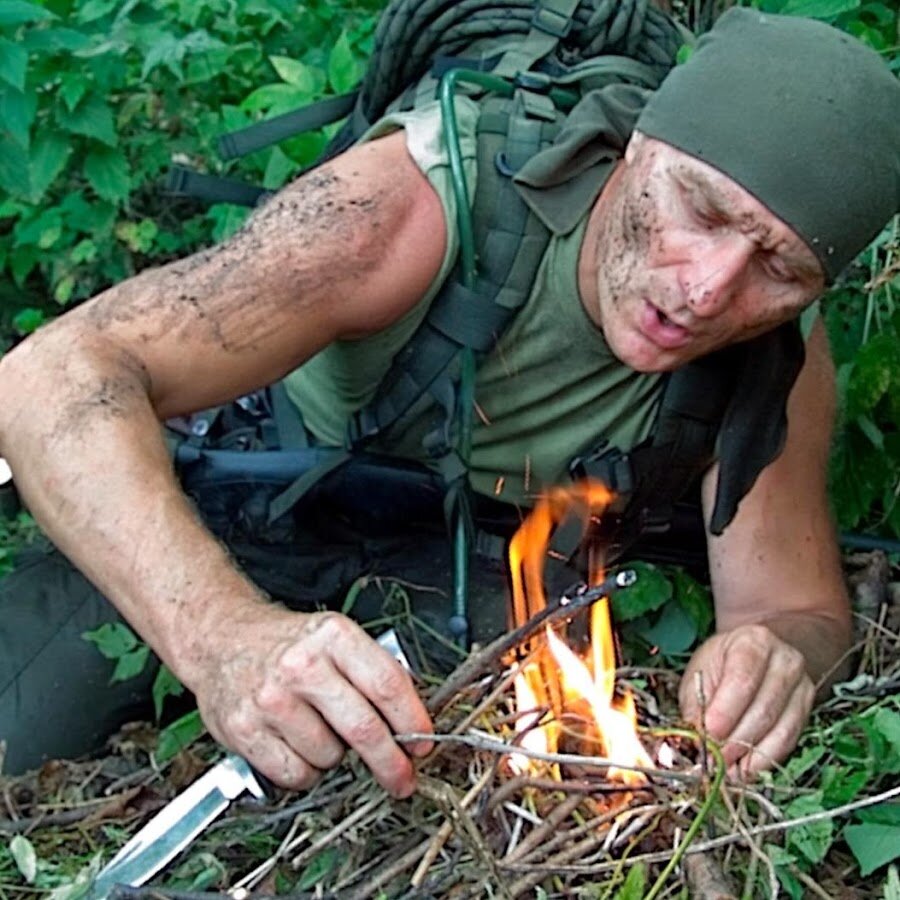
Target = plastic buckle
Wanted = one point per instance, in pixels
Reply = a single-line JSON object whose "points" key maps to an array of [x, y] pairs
{"points": [[536, 82], [551, 22], [361, 427]]}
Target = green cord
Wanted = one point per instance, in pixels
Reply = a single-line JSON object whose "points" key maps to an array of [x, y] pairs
{"points": [[691, 833], [446, 93]]}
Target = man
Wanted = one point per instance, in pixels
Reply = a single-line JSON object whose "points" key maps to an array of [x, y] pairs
{"points": [[738, 197]]}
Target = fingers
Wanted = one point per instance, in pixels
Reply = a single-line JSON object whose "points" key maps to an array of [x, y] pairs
{"points": [[781, 739], [358, 691], [759, 696], [297, 689]]}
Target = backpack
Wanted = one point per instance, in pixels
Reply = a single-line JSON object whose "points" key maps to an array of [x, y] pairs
{"points": [[529, 63]]}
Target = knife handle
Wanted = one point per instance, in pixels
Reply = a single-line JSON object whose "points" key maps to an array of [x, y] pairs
{"points": [[266, 785]]}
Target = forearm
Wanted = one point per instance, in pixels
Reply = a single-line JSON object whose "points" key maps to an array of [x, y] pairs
{"points": [[91, 464]]}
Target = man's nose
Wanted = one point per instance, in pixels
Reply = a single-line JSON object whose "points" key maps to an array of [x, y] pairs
{"points": [[710, 278]]}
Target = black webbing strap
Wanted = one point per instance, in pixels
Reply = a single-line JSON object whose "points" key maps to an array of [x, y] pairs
{"points": [[510, 244], [291, 431], [271, 131], [458, 318], [184, 182], [649, 479]]}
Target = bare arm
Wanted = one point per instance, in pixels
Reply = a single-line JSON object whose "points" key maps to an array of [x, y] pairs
{"points": [[340, 253], [782, 612]]}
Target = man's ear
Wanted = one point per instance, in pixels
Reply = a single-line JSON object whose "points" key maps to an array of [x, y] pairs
{"points": [[635, 142]]}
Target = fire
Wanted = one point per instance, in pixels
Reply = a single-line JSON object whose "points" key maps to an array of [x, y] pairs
{"points": [[558, 681]]}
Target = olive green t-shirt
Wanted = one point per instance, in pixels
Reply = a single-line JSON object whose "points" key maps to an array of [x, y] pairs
{"points": [[550, 389]]}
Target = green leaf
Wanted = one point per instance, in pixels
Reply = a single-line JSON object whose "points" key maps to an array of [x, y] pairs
{"points": [[818, 9], [279, 169], [812, 840], [887, 813], [130, 665], [695, 598], [294, 73], [18, 12], [800, 763], [165, 685], [673, 632], [64, 289], [871, 431], [107, 172], [651, 590], [873, 845], [24, 856], [92, 117], [635, 883], [887, 721], [83, 252], [166, 51], [17, 111], [53, 40], [13, 63], [320, 865], [841, 784], [95, 9], [138, 236], [343, 68], [178, 736], [28, 320], [227, 218], [276, 98], [49, 154], [14, 175], [73, 88], [113, 639]]}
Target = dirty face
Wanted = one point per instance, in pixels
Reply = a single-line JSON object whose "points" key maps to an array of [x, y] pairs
{"points": [[679, 260]]}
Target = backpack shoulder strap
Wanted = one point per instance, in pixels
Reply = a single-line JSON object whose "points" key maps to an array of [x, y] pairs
{"points": [[510, 241]]}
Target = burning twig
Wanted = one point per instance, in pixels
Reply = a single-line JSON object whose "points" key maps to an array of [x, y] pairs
{"points": [[569, 604]]}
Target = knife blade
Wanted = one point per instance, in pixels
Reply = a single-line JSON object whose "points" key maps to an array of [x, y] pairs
{"points": [[181, 821], [174, 827]]}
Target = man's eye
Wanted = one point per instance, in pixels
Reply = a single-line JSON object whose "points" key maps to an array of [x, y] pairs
{"points": [[778, 270], [706, 215]]}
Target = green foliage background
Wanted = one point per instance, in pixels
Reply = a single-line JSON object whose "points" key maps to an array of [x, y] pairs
{"points": [[97, 97]]}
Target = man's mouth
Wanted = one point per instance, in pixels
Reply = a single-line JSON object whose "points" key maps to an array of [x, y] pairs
{"points": [[661, 330]]}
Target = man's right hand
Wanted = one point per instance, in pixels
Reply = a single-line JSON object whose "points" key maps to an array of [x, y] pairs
{"points": [[290, 691]]}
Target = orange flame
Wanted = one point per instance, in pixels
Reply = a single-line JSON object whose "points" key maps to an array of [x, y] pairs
{"points": [[559, 681]]}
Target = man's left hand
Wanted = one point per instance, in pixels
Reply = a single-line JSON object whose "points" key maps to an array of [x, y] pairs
{"points": [[755, 696]]}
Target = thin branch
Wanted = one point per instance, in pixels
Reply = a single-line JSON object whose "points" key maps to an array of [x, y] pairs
{"points": [[493, 745]]}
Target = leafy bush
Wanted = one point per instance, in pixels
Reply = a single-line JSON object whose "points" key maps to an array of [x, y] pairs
{"points": [[98, 96]]}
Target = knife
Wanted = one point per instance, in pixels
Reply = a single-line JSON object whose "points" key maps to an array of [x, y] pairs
{"points": [[181, 821]]}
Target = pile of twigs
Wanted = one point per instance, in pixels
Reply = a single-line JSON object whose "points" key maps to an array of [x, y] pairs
{"points": [[475, 828]]}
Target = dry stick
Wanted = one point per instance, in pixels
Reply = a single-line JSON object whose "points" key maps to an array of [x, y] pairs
{"points": [[480, 662], [468, 832], [551, 865], [338, 830], [809, 882], [410, 844], [539, 835], [441, 795], [755, 849], [371, 887], [727, 839], [485, 742]]}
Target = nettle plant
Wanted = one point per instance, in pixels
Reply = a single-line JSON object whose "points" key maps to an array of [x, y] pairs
{"points": [[97, 97]]}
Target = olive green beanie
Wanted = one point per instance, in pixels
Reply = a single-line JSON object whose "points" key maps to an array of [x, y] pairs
{"points": [[803, 116]]}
